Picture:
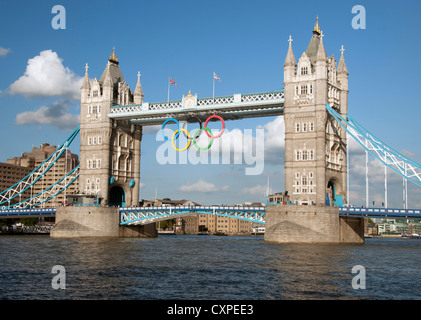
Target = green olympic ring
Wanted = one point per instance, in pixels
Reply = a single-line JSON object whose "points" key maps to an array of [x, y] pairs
{"points": [[196, 134]]}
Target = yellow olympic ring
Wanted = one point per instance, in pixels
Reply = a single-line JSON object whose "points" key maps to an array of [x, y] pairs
{"points": [[172, 139]]}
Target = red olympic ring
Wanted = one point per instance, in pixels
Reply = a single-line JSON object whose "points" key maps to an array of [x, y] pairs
{"points": [[223, 126]]}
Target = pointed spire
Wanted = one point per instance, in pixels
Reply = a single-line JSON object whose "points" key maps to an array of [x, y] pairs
{"points": [[342, 66], [290, 59], [107, 79], [138, 92], [316, 26], [86, 83], [321, 51], [113, 57]]}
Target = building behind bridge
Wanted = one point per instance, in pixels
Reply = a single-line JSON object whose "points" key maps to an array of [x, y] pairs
{"points": [[16, 168], [204, 223]]}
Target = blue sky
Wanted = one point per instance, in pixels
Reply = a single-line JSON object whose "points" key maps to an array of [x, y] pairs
{"points": [[245, 43]]}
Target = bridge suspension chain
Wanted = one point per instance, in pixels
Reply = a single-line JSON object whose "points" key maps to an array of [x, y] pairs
{"points": [[407, 168], [49, 193], [29, 181]]}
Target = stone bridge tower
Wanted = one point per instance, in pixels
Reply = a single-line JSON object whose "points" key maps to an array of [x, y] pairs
{"points": [[109, 149], [315, 144]]}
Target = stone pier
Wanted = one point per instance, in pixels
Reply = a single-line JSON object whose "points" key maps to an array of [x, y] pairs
{"points": [[77, 222], [311, 224]]}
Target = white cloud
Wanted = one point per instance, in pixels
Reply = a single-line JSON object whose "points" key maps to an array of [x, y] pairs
{"points": [[45, 76], [4, 51], [54, 114], [258, 190], [201, 186]]}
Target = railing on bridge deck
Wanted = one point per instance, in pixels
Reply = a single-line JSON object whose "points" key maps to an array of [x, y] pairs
{"points": [[381, 213], [238, 104], [145, 215]]}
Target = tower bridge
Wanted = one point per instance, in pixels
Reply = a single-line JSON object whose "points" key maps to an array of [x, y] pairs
{"points": [[314, 104]]}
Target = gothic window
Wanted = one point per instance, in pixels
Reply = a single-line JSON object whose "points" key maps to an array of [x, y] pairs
{"points": [[304, 71], [99, 140], [311, 89], [311, 154], [304, 155], [303, 89], [304, 181], [297, 128], [311, 126], [89, 141], [94, 141], [298, 155], [297, 175], [95, 93], [296, 90], [305, 127]]}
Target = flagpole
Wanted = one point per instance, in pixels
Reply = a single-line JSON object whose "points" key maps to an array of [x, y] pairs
{"points": [[213, 89], [168, 90]]}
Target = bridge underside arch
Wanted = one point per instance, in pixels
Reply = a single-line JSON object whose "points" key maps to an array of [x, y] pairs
{"points": [[117, 197]]}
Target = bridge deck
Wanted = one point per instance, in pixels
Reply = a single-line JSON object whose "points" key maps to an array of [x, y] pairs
{"points": [[144, 215], [236, 106]]}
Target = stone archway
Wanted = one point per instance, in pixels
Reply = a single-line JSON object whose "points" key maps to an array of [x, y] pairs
{"points": [[117, 197]]}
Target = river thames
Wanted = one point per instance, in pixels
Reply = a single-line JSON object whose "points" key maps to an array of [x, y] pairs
{"points": [[190, 267]]}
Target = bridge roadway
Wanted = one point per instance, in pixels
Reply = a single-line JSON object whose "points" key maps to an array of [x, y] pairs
{"points": [[232, 107], [145, 215]]}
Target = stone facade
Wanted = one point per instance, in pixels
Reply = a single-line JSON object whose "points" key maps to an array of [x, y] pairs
{"points": [[311, 224], [315, 144], [76, 222], [109, 149], [315, 152]]}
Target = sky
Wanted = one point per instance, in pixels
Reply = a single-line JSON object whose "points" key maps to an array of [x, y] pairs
{"points": [[245, 44]]}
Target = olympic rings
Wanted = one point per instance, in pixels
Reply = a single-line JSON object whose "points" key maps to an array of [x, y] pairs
{"points": [[200, 126], [196, 134], [223, 126], [172, 140], [194, 139], [163, 125]]}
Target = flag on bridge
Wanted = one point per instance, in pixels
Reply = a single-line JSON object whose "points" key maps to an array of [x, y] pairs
{"points": [[173, 82], [169, 84], [213, 89]]}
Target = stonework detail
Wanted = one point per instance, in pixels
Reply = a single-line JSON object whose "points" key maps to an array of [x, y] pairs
{"points": [[314, 142], [109, 149]]}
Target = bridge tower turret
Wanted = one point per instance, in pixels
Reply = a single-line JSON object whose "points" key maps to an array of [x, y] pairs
{"points": [[109, 149], [315, 145]]}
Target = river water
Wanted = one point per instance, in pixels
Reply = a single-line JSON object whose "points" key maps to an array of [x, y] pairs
{"points": [[206, 267]]}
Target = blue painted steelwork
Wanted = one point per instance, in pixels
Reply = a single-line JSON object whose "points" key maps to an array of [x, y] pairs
{"points": [[145, 215], [20, 187], [27, 213], [18, 205], [407, 168], [411, 214]]}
